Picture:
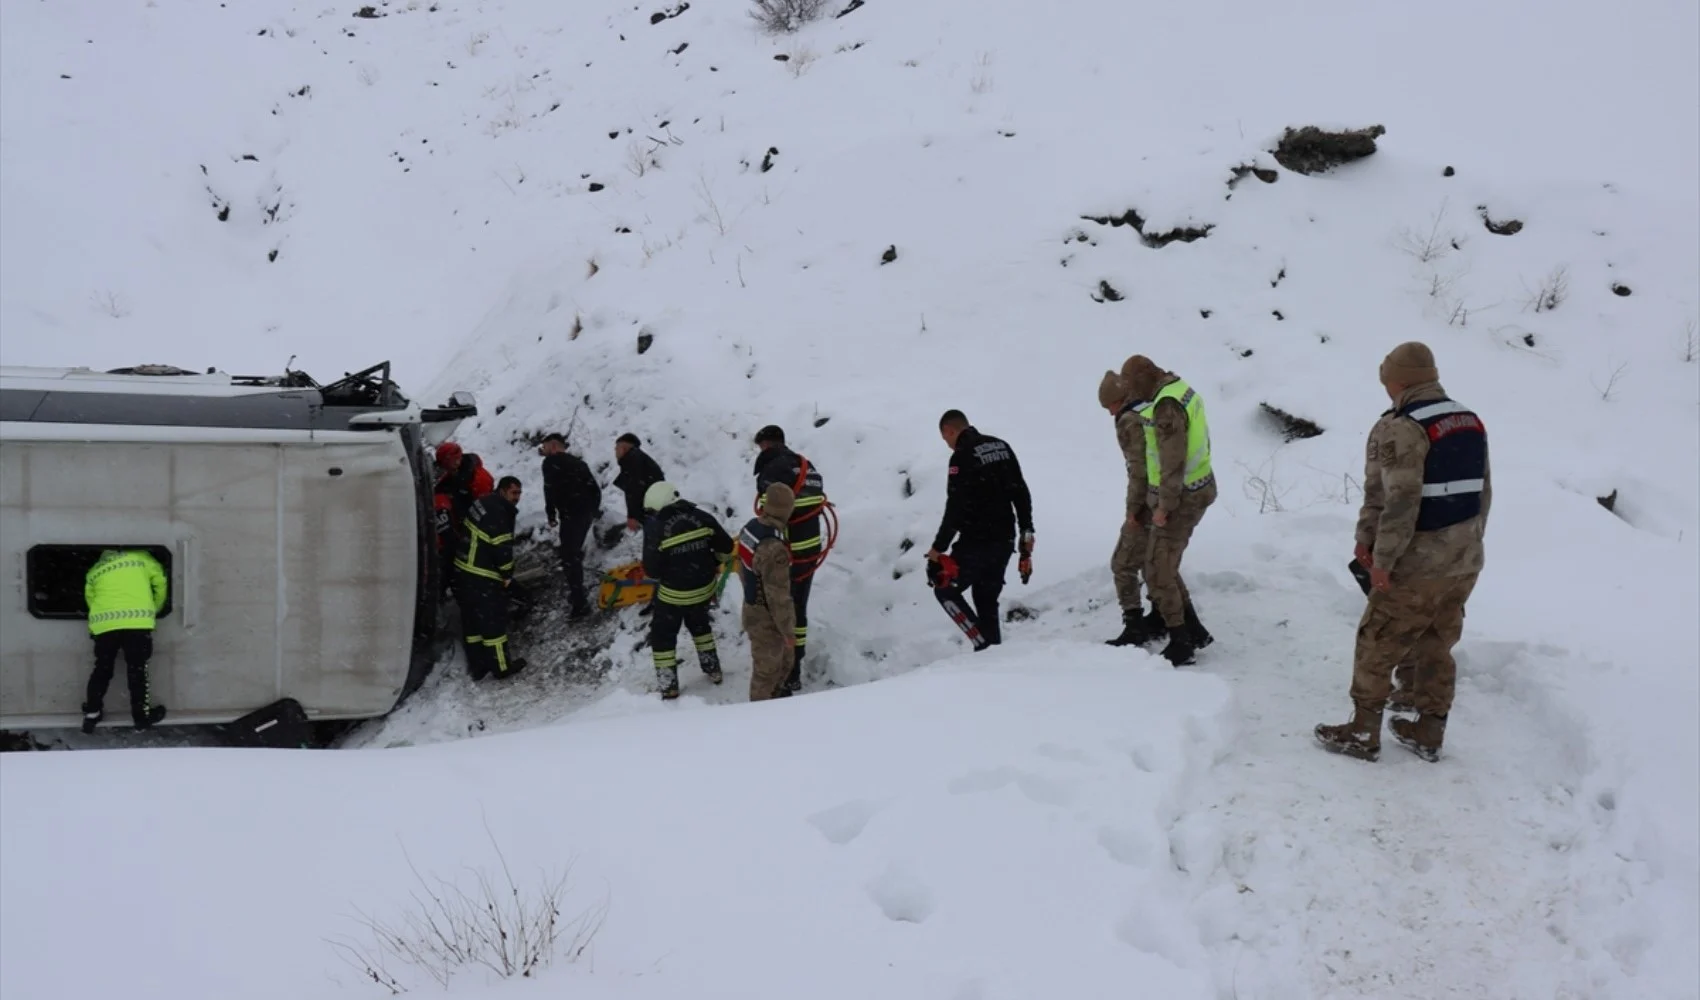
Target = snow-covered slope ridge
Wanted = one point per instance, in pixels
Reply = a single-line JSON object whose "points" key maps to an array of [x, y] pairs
{"points": [[520, 195]]}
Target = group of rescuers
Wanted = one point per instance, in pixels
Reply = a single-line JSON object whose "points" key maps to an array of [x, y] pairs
{"points": [[1427, 490]]}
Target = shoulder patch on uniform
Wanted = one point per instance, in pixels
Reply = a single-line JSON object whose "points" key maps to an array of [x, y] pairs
{"points": [[1389, 451], [953, 469]]}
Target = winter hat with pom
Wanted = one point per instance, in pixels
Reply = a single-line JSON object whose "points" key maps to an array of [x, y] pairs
{"points": [[1142, 377], [1411, 363], [1112, 391]]}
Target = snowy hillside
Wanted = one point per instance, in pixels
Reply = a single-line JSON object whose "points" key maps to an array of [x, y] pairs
{"points": [[665, 220]]}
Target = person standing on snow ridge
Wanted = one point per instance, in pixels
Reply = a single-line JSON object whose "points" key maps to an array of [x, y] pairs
{"points": [[638, 472], [1427, 490], [1133, 545], [486, 563], [572, 500], [1180, 487], [776, 463], [764, 567], [684, 548], [986, 498], [125, 591]]}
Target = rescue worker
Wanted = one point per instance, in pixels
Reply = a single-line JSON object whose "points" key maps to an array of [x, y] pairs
{"points": [[1180, 487], [1427, 490], [776, 463], [486, 564], [764, 568], [461, 479], [572, 500], [638, 472], [986, 499], [1133, 544], [684, 547], [125, 590]]}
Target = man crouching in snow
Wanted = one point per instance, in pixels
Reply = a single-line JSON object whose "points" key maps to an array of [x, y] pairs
{"points": [[764, 567], [1426, 495]]}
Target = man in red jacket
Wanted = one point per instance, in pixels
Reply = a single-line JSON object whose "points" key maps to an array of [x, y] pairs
{"points": [[462, 479]]}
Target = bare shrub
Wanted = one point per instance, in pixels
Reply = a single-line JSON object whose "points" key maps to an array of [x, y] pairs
{"points": [[800, 61], [110, 303], [710, 204], [981, 82], [1608, 391], [494, 924], [781, 17], [1262, 486], [475, 42], [641, 158], [1431, 243], [1550, 293], [1690, 342]]}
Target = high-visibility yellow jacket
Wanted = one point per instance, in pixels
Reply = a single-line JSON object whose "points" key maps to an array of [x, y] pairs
{"points": [[124, 590]]}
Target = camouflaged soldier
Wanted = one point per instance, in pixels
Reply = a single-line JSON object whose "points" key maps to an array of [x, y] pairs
{"points": [[1180, 487], [770, 616], [1427, 490], [1133, 544]]}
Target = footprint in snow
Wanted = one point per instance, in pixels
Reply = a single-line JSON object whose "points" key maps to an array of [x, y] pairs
{"points": [[1055, 752], [901, 896], [845, 822], [1043, 790]]}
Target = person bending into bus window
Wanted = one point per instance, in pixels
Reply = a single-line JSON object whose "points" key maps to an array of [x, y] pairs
{"points": [[486, 564], [125, 591]]}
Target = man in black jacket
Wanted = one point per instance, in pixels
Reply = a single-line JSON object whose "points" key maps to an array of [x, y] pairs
{"points": [[638, 472], [777, 463], [684, 548], [572, 499], [485, 563], [986, 499]]}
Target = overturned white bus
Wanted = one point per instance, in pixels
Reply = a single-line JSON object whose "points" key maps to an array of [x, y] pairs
{"points": [[293, 520]]}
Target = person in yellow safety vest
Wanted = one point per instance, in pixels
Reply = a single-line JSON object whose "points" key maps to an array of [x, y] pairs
{"points": [[485, 563], [684, 548], [125, 590], [1180, 487]]}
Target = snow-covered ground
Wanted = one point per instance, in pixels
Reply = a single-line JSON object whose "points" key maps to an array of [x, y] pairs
{"points": [[1055, 818]]}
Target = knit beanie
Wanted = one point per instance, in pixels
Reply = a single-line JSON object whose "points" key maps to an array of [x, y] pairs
{"points": [[1411, 363], [1112, 391], [779, 501], [1142, 377]]}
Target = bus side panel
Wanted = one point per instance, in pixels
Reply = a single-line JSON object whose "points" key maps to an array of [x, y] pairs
{"points": [[349, 575], [223, 658], [213, 506]]}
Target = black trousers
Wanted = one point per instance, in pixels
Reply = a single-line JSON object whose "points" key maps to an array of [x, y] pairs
{"points": [[483, 624], [137, 646], [980, 573], [800, 601], [664, 622], [573, 532]]}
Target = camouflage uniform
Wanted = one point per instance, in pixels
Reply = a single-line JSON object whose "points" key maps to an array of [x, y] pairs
{"points": [[1416, 622], [1127, 563], [1185, 509], [769, 615]]}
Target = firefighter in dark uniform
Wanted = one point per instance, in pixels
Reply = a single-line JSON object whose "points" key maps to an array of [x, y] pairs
{"points": [[986, 499], [485, 564], [572, 499], [638, 472], [777, 463], [684, 548]]}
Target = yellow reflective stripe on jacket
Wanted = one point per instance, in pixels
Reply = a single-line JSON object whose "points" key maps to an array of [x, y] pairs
{"points": [[689, 536], [814, 501], [669, 595], [126, 614], [806, 544], [101, 569], [467, 567]]}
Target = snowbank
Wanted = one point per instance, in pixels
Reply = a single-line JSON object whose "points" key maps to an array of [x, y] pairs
{"points": [[1000, 827]]}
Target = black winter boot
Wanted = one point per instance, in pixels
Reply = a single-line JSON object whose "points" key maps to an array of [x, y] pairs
{"points": [[155, 715], [1180, 650], [1136, 630], [92, 717], [1201, 636]]}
